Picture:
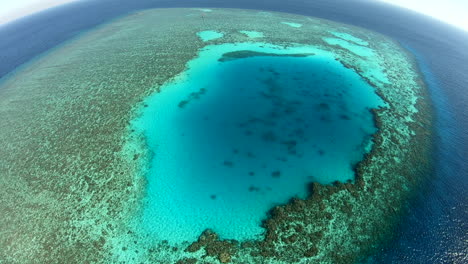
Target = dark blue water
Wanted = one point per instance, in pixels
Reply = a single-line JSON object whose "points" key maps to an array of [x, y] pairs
{"points": [[435, 229]]}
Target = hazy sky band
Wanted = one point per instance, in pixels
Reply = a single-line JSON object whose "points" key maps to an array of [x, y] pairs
{"points": [[454, 12], [14, 9]]}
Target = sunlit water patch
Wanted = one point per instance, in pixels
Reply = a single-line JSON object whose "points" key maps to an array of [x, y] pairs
{"points": [[291, 24], [209, 35], [349, 37], [247, 127], [207, 10], [252, 34], [354, 48]]}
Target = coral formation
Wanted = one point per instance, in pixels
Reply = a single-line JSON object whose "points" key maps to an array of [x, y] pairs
{"points": [[71, 167]]}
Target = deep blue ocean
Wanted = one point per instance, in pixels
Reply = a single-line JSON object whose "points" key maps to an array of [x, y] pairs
{"points": [[435, 229]]}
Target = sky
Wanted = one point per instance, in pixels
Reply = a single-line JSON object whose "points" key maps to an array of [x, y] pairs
{"points": [[14, 9], [454, 12]]}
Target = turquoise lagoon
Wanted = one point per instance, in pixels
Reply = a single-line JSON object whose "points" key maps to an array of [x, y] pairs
{"points": [[209, 35], [244, 128]]}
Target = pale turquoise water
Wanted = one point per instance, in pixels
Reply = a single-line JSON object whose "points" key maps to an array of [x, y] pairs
{"points": [[291, 24], [232, 139], [252, 34], [354, 48], [205, 10], [209, 35], [350, 37]]}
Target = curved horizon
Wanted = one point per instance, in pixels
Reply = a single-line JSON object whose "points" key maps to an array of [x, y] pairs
{"points": [[451, 12]]}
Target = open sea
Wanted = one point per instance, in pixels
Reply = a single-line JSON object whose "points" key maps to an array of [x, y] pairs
{"points": [[435, 228]]}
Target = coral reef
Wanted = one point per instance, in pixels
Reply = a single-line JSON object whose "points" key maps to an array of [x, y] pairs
{"points": [[72, 169]]}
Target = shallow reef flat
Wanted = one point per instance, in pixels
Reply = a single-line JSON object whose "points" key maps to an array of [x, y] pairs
{"points": [[72, 167]]}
